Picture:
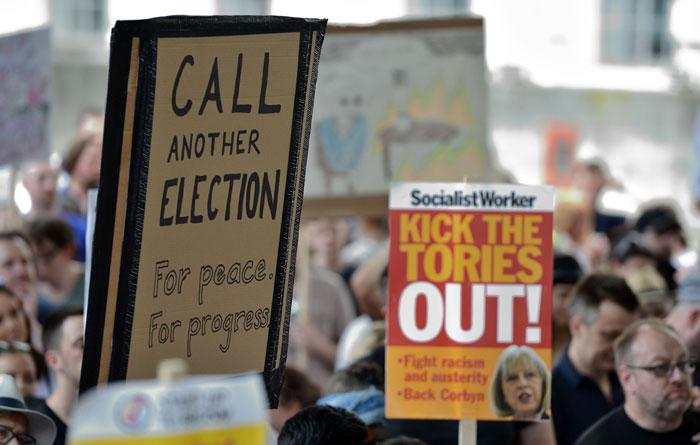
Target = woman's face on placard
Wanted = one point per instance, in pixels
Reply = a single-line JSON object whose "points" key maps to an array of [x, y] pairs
{"points": [[522, 388]]}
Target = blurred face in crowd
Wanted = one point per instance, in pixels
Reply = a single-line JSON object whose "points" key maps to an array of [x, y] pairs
{"points": [[561, 296], [22, 368], [660, 242], [322, 236], [13, 321], [16, 267], [87, 168], [661, 395], [51, 260], [632, 264], [40, 181], [596, 340], [522, 388], [12, 422], [590, 181], [71, 348]]}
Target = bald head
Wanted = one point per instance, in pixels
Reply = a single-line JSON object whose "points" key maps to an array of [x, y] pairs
{"points": [[630, 342]]}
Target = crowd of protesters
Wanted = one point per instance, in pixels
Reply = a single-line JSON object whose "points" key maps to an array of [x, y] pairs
{"points": [[610, 270], [625, 325]]}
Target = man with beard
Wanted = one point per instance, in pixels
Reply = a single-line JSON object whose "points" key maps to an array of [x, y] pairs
{"points": [[654, 370], [584, 384]]}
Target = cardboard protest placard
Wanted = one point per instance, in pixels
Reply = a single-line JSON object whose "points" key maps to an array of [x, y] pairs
{"points": [[470, 282], [25, 102], [184, 412], [200, 196], [397, 101]]}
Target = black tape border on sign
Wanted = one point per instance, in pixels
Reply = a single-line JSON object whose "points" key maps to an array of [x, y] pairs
{"points": [[275, 377], [106, 207], [149, 31], [135, 209]]}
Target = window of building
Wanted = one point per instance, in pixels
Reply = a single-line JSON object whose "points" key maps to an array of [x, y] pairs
{"points": [[437, 8], [636, 32], [86, 18], [243, 7]]}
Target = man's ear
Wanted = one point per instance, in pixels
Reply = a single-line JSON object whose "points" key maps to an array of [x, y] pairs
{"points": [[53, 360], [627, 379], [576, 324], [693, 320]]}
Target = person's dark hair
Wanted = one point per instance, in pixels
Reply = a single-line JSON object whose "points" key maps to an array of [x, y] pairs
{"points": [[402, 440], [297, 387], [631, 245], [358, 376], [51, 333], [566, 269], [323, 424], [593, 290], [74, 151], [660, 218], [56, 230]]}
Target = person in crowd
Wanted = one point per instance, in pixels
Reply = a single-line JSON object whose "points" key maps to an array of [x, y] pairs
{"points": [[590, 178], [18, 274], [369, 285], [660, 232], [520, 385], [655, 300], [321, 309], [40, 180], [63, 340], [297, 393], [654, 371], [685, 317], [630, 254], [17, 360], [82, 163], [566, 273], [61, 278], [584, 384], [17, 268], [15, 329], [18, 424], [14, 325], [359, 389], [324, 244], [357, 376], [369, 235], [369, 281], [323, 424], [583, 230]]}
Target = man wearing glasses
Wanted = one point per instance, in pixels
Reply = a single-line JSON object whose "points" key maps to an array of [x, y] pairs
{"points": [[655, 372], [19, 425]]}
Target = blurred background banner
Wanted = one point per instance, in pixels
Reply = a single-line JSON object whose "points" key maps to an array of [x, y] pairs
{"points": [[25, 96], [398, 101], [194, 411]]}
